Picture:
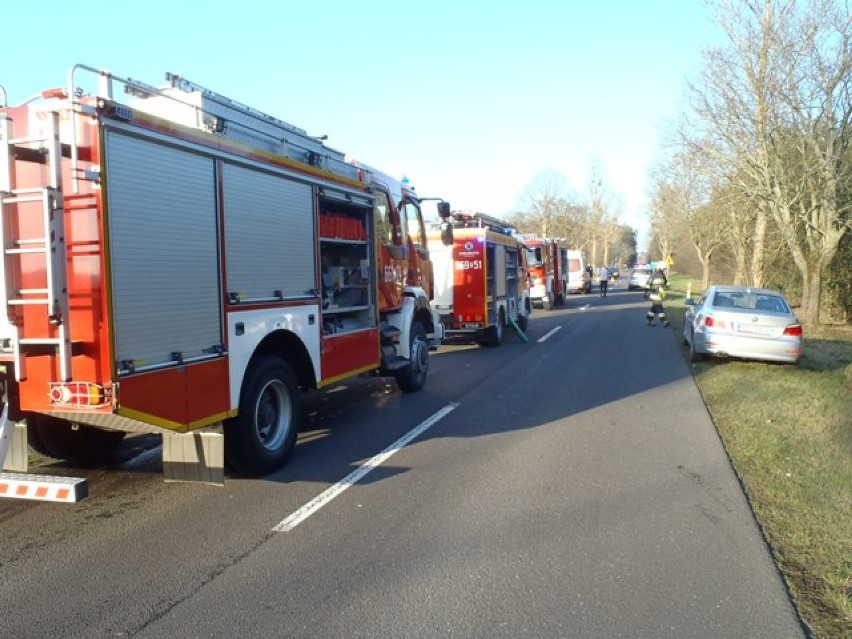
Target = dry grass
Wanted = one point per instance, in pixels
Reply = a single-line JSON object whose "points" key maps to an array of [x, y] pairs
{"points": [[788, 431]]}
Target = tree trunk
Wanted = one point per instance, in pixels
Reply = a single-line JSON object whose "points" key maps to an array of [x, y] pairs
{"points": [[758, 265], [739, 244], [811, 284], [705, 271], [594, 249]]}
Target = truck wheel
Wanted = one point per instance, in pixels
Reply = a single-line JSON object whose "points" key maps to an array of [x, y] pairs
{"points": [[73, 442], [34, 439], [412, 377], [261, 437], [494, 334]]}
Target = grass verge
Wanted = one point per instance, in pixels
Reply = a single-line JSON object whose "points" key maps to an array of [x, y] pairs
{"points": [[788, 432]]}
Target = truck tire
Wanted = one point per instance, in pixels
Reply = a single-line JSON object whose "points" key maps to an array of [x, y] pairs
{"points": [[34, 439], [263, 434], [70, 441], [494, 334], [412, 377], [522, 322]]}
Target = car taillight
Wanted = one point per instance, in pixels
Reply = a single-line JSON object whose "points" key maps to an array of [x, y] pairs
{"points": [[793, 330], [713, 322]]}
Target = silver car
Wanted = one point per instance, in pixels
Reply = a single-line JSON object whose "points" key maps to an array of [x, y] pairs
{"points": [[639, 278], [742, 322]]}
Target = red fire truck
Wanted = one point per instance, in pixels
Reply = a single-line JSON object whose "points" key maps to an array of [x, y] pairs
{"points": [[480, 278], [548, 270], [180, 263]]}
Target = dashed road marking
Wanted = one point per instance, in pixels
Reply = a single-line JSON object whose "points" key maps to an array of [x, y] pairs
{"points": [[548, 334], [352, 478]]}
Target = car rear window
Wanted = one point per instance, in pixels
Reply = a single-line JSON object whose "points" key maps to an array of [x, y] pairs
{"points": [[751, 302]]}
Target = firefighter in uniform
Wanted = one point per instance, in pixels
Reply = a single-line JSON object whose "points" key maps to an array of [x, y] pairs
{"points": [[657, 293]]}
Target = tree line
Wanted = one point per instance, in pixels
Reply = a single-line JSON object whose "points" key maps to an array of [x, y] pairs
{"points": [[756, 185], [589, 224]]}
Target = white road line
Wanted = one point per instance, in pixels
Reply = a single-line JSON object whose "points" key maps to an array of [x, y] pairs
{"points": [[548, 334], [584, 308], [352, 478]]}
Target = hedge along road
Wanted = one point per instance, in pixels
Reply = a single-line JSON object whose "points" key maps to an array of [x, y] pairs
{"points": [[577, 488]]}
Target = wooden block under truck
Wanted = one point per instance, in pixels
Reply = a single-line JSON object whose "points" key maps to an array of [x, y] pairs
{"points": [[480, 278], [182, 264]]}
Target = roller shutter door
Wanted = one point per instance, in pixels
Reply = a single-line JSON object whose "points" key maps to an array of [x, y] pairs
{"points": [[269, 226], [164, 254]]}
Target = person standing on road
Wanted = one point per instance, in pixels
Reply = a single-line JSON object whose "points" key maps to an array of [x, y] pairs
{"points": [[603, 276], [657, 293]]}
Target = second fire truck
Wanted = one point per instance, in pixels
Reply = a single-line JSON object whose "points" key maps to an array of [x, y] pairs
{"points": [[480, 278], [179, 263]]}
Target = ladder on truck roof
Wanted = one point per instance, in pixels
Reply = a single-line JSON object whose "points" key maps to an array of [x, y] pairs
{"points": [[44, 203], [464, 219], [195, 106]]}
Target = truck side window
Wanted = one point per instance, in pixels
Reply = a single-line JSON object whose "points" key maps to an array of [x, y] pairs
{"points": [[382, 215], [414, 223]]}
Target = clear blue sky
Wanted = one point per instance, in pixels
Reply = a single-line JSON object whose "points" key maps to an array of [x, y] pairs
{"points": [[470, 100]]}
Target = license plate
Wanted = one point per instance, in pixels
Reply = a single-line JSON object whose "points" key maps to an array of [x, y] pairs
{"points": [[755, 330]]}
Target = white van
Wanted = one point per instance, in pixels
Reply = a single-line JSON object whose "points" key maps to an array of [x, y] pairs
{"points": [[579, 279]]}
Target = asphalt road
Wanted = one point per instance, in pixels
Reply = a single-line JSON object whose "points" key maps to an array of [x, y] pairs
{"points": [[570, 487]]}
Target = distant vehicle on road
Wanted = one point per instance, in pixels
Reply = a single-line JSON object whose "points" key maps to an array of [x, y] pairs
{"points": [[614, 273], [579, 278], [639, 278], [742, 322]]}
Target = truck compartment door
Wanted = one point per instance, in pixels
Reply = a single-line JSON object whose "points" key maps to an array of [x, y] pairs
{"points": [[163, 253]]}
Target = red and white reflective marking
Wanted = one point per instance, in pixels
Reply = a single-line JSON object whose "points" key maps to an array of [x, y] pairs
{"points": [[43, 487]]}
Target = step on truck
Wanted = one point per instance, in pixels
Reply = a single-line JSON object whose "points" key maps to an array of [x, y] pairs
{"points": [[176, 262], [480, 278]]}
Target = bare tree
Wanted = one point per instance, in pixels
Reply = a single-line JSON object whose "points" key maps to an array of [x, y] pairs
{"points": [[602, 215], [683, 197], [544, 203], [740, 217], [777, 102], [551, 211], [810, 158]]}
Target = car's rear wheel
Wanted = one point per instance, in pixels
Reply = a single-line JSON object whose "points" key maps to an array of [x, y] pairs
{"points": [[694, 355]]}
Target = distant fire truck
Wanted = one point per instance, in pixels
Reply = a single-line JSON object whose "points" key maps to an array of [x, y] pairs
{"points": [[480, 278], [548, 270], [180, 263]]}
